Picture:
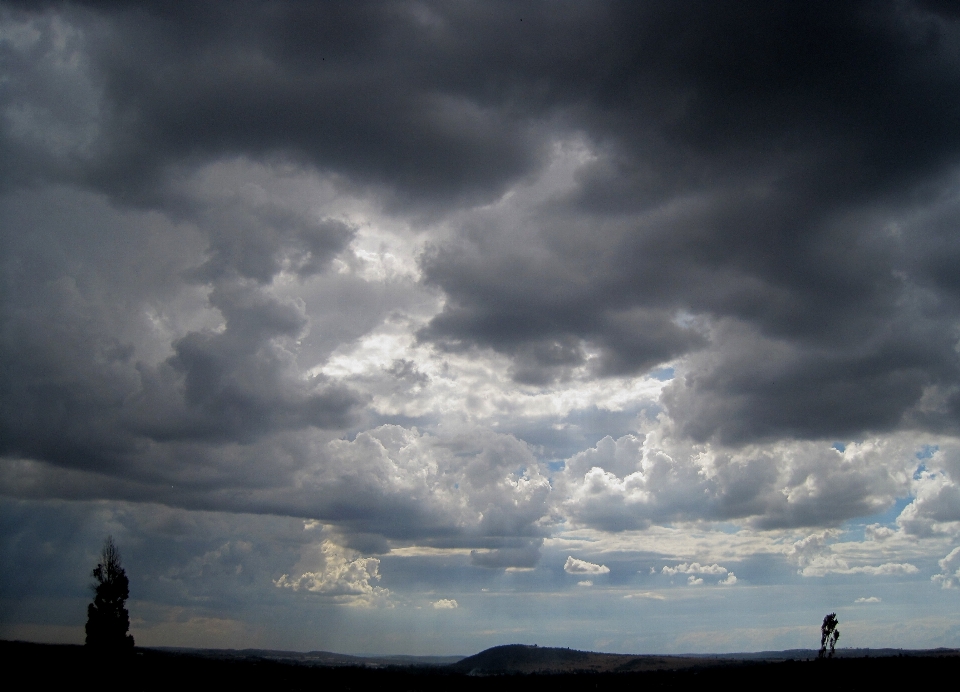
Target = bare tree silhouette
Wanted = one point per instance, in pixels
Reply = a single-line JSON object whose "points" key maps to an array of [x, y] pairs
{"points": [[829, 634], [107, 618]]}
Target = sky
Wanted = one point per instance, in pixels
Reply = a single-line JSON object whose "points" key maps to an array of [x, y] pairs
{"points": [[423, 327]]}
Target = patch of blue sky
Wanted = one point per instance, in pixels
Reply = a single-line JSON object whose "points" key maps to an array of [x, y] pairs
{"points": [[726, 527], [855, 528], [578, 538], [662, 374], [578, 430], [924, 453]]}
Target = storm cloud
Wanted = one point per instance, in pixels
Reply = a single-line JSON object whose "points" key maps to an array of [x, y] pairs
{"points": [[430, 294]]}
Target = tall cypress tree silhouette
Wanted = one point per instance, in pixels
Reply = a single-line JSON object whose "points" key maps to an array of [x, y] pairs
{"points": [[107, 618]]}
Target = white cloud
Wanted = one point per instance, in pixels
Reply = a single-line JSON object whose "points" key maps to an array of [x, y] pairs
{"points": [[659, 476], [876, 532], [815, 558], [936, 506], [870, 599], [949, 576], [446, 604], [467, 479], [694, 568], [887, 568], [575, 566], [585, 582], [337, 573], [653, 595]]}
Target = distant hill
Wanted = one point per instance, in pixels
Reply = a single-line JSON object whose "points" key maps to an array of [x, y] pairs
{"points": [[59, 666], [499, 660], [523, 658], [313, 658]]}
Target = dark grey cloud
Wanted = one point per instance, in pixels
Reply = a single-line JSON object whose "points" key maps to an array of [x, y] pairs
{"points": [[259, 244], [240, 383], [757, 172], [765, 192], [245, 247], [517, 553], [89, 290], [475, 489], [757, 387], [372, 91]]}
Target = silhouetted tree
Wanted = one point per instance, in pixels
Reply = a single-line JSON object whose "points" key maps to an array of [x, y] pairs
{"points": [[107, 618], [829, 634]]}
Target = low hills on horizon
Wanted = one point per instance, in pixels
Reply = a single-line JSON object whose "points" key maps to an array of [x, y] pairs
{"points": [[531, 658], [524, 668], [314, 658]]}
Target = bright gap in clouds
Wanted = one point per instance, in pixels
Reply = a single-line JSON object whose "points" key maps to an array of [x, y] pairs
{"points": [[595, 333]]}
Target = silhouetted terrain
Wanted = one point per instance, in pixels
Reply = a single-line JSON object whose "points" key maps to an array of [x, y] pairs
{"points": [[313, 658], [525, 659], [520, 658], [47, 666]]}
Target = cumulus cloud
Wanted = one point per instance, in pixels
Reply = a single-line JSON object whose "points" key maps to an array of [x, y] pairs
{"points": [[885, 569], [816, 558], [585, 582], [868, 599], [811, 547], [876, 532], [575, 566], [331, 571], [636, 480], [949, 576], [470, 482], [935, 507], [694, 568], [473, 488], [446, 604]]}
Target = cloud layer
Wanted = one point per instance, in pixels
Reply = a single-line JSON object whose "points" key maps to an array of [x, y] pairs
{"points": [[489, 285]]}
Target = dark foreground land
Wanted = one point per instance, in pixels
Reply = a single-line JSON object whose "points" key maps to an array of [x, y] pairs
{"points": [[44, 666]]}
